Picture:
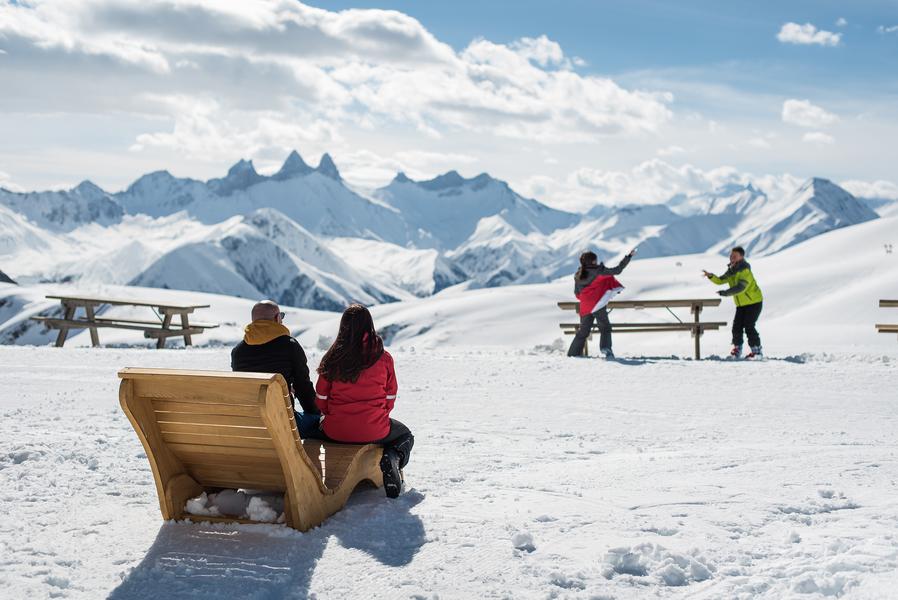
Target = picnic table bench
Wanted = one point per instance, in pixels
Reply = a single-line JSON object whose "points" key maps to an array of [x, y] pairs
{"points": [[696, 326], [161, 329], [887, 327], [207, 430]]}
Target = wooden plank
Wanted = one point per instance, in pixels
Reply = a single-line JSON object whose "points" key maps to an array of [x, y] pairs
{"points": [[263, 454], [80, 300], [236, 477], [194, 457], [624, 327], [216, 440], [163, 334], [219, 392], [156, 323], [887, 328], [63, 331], [204, 429], [679, 303], [647, 330], [166, 322], [56, 323], [208, 419], [91, 318], [888, 303], [188, 341], [187, 377], [204, 408]]}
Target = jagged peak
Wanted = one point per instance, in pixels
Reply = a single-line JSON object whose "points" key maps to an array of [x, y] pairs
{"points": [[88, 187], [401, 177], [294, 165], [242, 166], [327, 167]]}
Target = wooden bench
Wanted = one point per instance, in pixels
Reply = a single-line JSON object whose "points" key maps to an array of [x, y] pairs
{"points": [[206, 430], [696, 326], [887, 327], [161, 329]]}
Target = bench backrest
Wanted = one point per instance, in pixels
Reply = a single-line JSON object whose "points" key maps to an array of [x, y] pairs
{"points": [[222, 429]]}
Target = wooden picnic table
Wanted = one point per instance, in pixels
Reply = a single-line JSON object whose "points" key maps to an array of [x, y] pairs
{"points": [[161, 329], [887, 327], [695, 306]]}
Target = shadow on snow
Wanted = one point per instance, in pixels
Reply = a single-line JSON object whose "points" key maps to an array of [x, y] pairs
{"points": [[205, 560]]}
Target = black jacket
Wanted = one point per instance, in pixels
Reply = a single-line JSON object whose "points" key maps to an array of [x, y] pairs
{"points": [[281, 355], [594, 271]]}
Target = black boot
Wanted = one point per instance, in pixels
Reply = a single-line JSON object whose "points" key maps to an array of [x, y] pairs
{"points": [[389, 465]]}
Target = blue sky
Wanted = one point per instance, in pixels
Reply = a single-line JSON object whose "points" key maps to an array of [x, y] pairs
{"points": [[617, 37], [572, 102]]}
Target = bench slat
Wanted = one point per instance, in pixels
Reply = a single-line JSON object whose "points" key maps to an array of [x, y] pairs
{"points": [[887, 327], [196, 457], [187, 448], [172, 389], [652, 326], [208, 419], [229, 441], [205, 429], [205, 408], [236, 477]]}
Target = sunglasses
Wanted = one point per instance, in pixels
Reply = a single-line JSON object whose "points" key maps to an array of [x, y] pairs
{"points": [[282, 315]]}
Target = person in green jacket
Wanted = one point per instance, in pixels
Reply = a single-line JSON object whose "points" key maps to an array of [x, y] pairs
{"points": [[749, 300]]}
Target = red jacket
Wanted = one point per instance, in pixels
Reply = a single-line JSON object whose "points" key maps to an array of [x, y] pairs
{"points": [[359, 412], [598, 293]]}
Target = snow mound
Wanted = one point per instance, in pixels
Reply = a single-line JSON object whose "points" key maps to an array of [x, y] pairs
{"points": [[653, 564], [244, 504]]}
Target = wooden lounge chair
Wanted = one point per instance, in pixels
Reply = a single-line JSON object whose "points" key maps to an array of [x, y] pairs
{"points": [[206, 430]]}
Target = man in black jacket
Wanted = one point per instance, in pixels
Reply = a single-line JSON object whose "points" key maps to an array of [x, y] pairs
{"points": [[268, 347]]}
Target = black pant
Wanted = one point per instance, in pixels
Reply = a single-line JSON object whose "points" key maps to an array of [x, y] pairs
{"points": [[601, 316], [399, 438], [745, 319]]}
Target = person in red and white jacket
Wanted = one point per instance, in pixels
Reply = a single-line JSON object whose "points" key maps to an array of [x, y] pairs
{"points": [[594, 287], [356, 391]]}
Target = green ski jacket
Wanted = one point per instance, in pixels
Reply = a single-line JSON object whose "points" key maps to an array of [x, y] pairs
{"points": [[743, 287]]}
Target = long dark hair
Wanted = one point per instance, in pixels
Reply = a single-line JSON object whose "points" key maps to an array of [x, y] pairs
{"points": [[586, 259], [356, 348]]}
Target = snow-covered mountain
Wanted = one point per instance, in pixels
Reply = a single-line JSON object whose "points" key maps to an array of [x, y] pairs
{"points": [[64, 210], [304, 237], [449, 207], [263, 255]]}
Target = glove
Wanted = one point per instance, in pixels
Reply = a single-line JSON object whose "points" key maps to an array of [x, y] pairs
{"points": [[722, 293]]}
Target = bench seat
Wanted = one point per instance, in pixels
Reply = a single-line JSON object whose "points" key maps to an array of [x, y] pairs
{"points": [[206, 430], [887, 327]]}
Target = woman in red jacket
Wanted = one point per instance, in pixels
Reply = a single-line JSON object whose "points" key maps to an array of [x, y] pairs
{"points": [[356, 391]]}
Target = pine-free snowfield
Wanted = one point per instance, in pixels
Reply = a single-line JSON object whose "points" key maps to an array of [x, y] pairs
{"points": [[534, 476]]}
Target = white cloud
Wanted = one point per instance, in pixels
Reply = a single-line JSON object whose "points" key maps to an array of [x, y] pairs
{"points": [[872, 189], [671, 151], [7, 183], [841, 22], [818, 137], [249, 66], [884, 29], [805, 114], [651, 182], [793, 33]]}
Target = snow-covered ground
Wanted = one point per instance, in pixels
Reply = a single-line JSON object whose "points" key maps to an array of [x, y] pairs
{"points": [[534, 476]]}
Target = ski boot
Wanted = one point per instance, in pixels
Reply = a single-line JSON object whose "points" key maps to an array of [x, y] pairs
{"points": [[609, 355], [755, 353], [735, 353], [389, 466]]}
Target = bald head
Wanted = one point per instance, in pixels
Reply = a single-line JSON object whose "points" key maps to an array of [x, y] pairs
{"points": [[266, 310]]}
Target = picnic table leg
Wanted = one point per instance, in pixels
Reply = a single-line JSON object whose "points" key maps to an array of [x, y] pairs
{"points": [[94, 338], [64, 331], [188, 341], [166, 324], [697, 331]]}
